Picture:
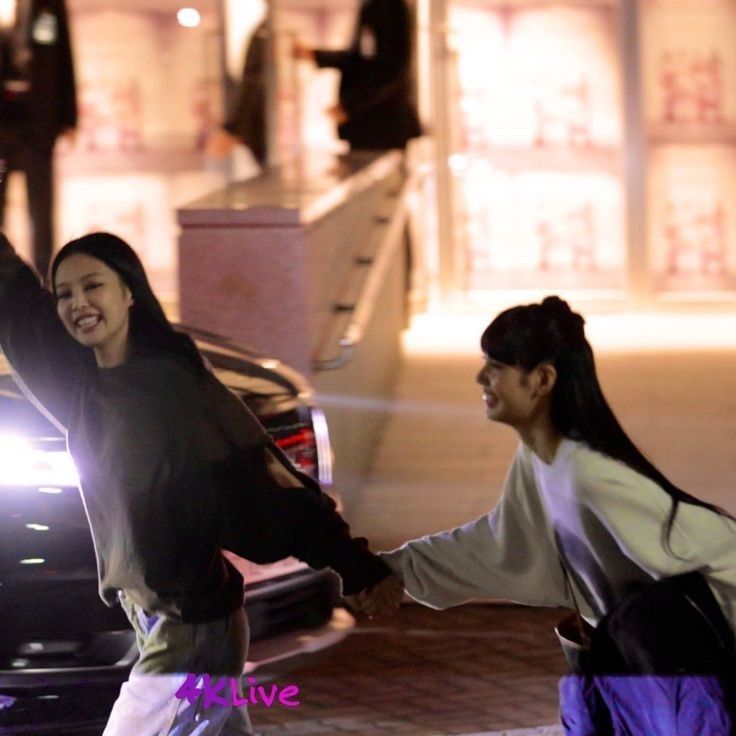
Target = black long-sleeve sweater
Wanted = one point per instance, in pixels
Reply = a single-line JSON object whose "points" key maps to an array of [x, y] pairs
{"points": [[376, 82], [173, 467]]}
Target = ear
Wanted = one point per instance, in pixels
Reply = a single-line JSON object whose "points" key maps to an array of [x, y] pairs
{"points": [[546, 377]]}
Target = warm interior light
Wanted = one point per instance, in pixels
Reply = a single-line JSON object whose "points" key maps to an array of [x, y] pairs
{"points": [[459, 334], [189, 17], [7, 13], [241, 19]]}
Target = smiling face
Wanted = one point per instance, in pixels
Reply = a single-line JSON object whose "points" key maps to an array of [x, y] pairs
{"points": [[94, 306], [517, 397], [507, 393]]}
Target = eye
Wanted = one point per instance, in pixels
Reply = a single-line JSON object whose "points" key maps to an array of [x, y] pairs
{"points": [[60, 296], [91, 287]]}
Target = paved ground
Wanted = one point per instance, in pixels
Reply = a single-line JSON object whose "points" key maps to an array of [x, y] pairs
{"points": [[472, 669]]}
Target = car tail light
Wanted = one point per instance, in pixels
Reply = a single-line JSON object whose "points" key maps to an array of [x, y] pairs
{"points": [[300, 448], [308, 447]]}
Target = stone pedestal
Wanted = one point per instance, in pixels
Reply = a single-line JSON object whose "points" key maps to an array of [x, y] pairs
{"points": [[270, 261]]}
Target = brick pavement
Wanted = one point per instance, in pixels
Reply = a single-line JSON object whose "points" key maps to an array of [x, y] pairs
{"points": [[468, 670]]}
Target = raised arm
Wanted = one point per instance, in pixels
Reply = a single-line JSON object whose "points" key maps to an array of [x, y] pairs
{"points": [[334, 59], [349, 60], [506, 554], [44, 357]]}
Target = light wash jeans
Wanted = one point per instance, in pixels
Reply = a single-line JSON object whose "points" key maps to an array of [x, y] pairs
{"points": [[169, 650]]}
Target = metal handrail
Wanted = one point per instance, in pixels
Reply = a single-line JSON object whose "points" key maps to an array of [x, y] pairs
{"points": [[365, 304]]}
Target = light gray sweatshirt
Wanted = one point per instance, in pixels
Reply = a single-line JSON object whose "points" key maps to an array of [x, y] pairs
{"points": [[606, 520]]}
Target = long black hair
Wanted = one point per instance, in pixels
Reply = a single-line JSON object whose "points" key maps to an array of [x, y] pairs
{"points": [[150, 330], [550, 332]]}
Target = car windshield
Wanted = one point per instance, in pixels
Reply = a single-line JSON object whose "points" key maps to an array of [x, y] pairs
{"points": [[19, 416]]}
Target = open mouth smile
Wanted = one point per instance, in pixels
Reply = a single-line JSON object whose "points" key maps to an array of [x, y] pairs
{"points": [[87, 324]]}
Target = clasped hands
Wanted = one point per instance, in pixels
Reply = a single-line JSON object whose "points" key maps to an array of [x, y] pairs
{"points": [[302, 52], [382, 599]]}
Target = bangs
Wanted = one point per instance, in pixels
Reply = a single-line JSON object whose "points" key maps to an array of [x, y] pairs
{"points": [[498, 350], [504, 339], [114, 252]]}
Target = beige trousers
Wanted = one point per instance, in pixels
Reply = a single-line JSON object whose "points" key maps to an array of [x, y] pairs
{"points": [[148, 704]]}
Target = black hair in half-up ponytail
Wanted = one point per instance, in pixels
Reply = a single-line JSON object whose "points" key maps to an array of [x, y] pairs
{"points": [[550, 332]]}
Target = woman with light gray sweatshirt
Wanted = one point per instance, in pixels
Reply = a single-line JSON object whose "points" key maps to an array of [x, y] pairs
{"points": [[585, 521]]}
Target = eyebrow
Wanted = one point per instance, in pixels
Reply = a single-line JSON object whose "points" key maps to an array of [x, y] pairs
{"points": [[82, 278]]}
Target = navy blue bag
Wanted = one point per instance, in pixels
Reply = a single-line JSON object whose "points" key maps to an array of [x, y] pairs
{"points": [[666, 652]]}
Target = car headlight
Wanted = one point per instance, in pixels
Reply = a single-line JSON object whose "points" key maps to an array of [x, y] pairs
{"points": [[23, 464]]}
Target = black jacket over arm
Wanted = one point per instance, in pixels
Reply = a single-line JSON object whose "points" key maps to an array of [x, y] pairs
{"points": [[376, 85], [53, 100]]}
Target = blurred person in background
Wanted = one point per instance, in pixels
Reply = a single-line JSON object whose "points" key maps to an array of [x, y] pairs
{"points": [[37, 105], [376, 107], [247, 125]]}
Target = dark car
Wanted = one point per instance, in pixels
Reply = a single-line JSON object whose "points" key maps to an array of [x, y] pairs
{"points": [[63, 653]]}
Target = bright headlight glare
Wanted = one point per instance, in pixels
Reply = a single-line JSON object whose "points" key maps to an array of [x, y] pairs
{"points": [[22, 464]]}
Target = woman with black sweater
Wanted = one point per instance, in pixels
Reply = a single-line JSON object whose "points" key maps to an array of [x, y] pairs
{"points": [[173, 468]]}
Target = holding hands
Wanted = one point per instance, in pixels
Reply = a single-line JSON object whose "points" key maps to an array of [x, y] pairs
{"points": [[302, 52], [383, 599], [220, 143], [338, 114]]}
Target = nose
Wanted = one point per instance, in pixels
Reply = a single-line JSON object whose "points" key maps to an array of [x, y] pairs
{"points": [[481, 377], [79, 299]]}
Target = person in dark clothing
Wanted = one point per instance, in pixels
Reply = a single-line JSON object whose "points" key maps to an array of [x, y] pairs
{"points": [[37, 105], [173, 468], [247, 123], [377, 109]]}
